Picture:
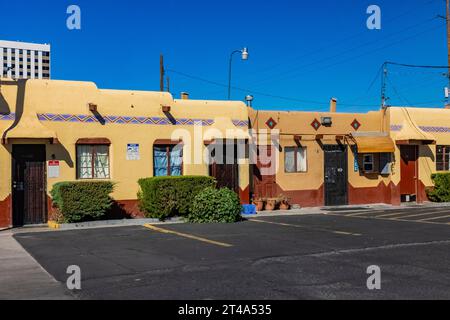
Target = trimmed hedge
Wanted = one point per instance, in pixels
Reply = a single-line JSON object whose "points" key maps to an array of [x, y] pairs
{"points": [[164, 197], [82, 201], [215, 206], [441, 190]]}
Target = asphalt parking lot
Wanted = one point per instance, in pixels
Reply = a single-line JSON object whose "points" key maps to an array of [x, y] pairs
{"points": [[322, 256]]}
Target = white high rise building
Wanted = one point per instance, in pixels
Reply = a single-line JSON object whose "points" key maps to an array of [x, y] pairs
{"points": [[21, 60]]}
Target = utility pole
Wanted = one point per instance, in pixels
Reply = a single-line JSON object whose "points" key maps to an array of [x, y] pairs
{"points": [[448, 42], [448, 32], [384, 74], [162, 72]]}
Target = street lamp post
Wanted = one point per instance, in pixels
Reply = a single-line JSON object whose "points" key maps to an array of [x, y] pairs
{"points": [[244, 56]]}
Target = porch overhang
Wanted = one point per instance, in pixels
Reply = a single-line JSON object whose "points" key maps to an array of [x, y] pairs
{"points": [[412, 134], [29, 128], [415, 142]]}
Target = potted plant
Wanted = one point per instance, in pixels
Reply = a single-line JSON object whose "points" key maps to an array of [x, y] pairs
{"points": [[259, 203], [271, 204], [284, 202]]}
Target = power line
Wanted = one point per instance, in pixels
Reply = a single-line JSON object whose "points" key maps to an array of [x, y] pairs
{"points": [[261, 93], [415, 66], [347, 59], [387, 80], [341, 41]]}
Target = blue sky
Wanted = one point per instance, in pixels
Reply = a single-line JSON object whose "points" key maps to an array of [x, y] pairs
{"points": [[301, 52]]}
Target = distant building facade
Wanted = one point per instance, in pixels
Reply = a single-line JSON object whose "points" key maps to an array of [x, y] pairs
{"points": [[20, 60]]}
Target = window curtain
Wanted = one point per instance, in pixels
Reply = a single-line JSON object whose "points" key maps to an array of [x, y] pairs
{"points": [[301, 160], [176, 161], [84, 162], [160, 161], [289, 160], [101, 162]]}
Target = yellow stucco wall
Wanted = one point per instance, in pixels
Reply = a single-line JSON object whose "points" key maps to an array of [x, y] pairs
{"points": [[65, 97], [435, 122], [299, 123]]}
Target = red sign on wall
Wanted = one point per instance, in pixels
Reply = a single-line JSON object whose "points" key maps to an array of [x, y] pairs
{"points": [[53, 169]]}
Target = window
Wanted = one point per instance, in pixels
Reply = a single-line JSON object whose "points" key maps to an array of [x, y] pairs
{"points": [[92, 161], [295, 159], [167, 160], [385, 163], [442, 158], [368, 163]]}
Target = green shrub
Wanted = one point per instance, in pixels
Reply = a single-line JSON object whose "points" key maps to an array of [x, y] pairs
{"points": [[164, 197], [82, 201], [212, 205], [441, 190]]}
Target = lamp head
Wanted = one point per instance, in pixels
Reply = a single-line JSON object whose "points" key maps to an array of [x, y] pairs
{"points": [[245, 54], [249, 100]]}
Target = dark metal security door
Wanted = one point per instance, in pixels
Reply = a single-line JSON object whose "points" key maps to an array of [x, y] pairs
{"points": [[29, 185], [336, 188]]}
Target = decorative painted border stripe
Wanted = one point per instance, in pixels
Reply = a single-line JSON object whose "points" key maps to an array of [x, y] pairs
{"points": [[240, 123], [121, 119], [424, 128], [436, 129], [396, 127], [7, 117]]}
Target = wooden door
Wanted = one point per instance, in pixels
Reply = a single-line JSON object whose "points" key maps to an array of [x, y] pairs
{"points": [[336, 175], [226, 169], [29, 185], [264, 185], [408, 170]]}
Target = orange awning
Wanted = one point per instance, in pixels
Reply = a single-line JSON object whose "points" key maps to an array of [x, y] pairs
{"points": [[375, 144]]}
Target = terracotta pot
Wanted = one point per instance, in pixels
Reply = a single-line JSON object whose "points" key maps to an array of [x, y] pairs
{"points": [[259, 205], [270, 205]]}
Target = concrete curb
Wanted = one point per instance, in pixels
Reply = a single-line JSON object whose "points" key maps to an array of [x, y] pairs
{"points": [[109, 223], [52, 225]]}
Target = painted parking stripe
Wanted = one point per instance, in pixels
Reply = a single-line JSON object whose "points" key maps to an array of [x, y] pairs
{"points": [[186, 235], [358, 214], [307, 227], [387, 219], [435, 218], [406, 213], [390, 215], [417, 215]]}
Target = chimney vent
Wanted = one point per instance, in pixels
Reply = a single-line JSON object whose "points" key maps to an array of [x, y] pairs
{"points": [[333, 104], [185, 96]]}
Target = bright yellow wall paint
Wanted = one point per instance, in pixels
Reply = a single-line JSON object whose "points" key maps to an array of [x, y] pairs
{"points": [[66, 97]]}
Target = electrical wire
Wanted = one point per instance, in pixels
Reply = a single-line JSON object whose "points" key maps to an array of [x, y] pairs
{"points": [[262, 93], [342, 41]]}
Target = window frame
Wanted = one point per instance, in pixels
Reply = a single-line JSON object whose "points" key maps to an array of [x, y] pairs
{"points": [[296, 149], [169, 148], [372, 162], [445, 164], [92, 158]]}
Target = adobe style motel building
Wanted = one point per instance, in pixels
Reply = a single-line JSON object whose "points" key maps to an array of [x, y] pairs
{"points": [[55, 131]]}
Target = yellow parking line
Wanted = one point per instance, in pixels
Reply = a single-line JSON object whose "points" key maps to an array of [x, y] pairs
{"points": [[307, 227], [189, 236], [435, 218]]}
